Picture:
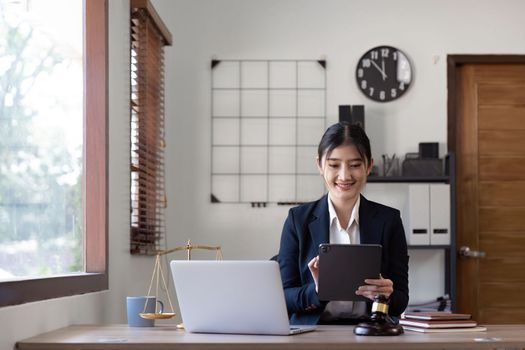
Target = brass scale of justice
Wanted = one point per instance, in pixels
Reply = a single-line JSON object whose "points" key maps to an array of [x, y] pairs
{"points": [[158, 274]]}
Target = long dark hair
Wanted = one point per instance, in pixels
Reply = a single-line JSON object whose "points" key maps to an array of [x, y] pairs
{"points": [[343, 134]]}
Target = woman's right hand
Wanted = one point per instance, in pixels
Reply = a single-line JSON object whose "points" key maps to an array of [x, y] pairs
{"points": [[313, 265]]}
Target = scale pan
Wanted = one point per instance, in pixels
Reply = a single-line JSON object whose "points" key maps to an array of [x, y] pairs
{"points": [[157, 316]]}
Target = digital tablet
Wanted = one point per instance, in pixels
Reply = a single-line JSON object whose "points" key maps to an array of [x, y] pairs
{"points": [[344, 267]]}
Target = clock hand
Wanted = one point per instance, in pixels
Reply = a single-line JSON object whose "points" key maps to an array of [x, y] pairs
{"points": [[379, 69], [383, 66]]}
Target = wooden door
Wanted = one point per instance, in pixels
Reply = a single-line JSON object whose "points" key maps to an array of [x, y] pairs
{"points": [[490, 161]]}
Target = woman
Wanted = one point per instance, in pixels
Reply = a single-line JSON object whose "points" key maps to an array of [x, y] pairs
{"points": [[342, 216]]}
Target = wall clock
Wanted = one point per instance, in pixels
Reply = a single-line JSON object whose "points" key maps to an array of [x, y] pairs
{"points": [[383, 73]]}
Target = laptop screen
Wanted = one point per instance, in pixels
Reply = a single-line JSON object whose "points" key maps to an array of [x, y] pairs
{"points": [[231, 296]]}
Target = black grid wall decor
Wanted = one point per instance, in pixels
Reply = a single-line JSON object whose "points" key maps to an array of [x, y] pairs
{"points": [[267, 117]]}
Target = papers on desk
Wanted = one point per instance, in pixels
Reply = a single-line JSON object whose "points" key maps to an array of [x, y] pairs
{"points": [[445, 330], [435, 316], [439, 322]]}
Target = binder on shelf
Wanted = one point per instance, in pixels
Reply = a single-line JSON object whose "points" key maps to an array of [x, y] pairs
{"points": [[418, 214], [439, 214]]}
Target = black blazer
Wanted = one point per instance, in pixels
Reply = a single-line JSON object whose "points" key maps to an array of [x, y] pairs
{"points": [[307, 226]]}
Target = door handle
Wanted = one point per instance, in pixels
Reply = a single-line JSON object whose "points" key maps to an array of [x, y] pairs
{"points": [[465, 251]]}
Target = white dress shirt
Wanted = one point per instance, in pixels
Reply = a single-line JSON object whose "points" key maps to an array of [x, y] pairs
{"points": [[350, 235]]}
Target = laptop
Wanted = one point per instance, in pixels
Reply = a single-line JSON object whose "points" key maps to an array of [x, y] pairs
{"points": [[240, 297]]}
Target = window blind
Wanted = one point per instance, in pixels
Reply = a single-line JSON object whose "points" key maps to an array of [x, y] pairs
{"points": [[148, 196]]}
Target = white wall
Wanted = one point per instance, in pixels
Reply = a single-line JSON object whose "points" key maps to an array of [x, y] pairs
{"points": [[342, 30]]}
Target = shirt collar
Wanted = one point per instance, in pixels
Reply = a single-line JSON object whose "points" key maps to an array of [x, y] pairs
{"points": [[353, 217]]}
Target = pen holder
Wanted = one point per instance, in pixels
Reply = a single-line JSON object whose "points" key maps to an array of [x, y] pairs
{"points": [[390, 165], [380, 324]]}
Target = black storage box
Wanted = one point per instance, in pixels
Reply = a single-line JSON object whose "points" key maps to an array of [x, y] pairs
{"points": [[429, 150], [417, 167]]}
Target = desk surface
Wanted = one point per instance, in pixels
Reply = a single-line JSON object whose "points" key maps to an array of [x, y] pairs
{"points": [[325, 337]]}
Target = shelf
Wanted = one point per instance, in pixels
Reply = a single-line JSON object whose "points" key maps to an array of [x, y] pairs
{"points": [[407, 179]]}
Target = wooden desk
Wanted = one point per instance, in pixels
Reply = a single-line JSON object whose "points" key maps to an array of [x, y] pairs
{"points": [[325, 337]]}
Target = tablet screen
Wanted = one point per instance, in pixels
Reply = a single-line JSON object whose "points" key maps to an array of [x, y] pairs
{"points": [[344, 267]]}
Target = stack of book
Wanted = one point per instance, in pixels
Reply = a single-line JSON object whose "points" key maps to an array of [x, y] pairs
{"points": [[439, 322]]}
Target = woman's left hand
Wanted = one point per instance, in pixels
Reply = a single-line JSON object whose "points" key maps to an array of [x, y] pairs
{"points": [[374, 287]]}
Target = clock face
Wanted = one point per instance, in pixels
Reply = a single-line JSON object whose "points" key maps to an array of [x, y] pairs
{"points": [[383, 73]]}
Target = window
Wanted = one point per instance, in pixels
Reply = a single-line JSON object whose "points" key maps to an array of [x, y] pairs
{"points": [[53, 191], [149, 35]]}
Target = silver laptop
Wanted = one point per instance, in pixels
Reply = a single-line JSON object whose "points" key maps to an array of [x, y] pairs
{"points": [[242, 297]]}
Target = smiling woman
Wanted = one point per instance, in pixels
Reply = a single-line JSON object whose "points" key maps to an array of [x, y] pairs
{"points": [[52, 180], [343, 216]]}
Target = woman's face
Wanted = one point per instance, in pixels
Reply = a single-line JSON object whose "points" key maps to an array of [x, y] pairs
{"points": [[344, 172]]}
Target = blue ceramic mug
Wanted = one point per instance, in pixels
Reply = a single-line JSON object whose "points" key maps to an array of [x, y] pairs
{"points": [[135, 306]]}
